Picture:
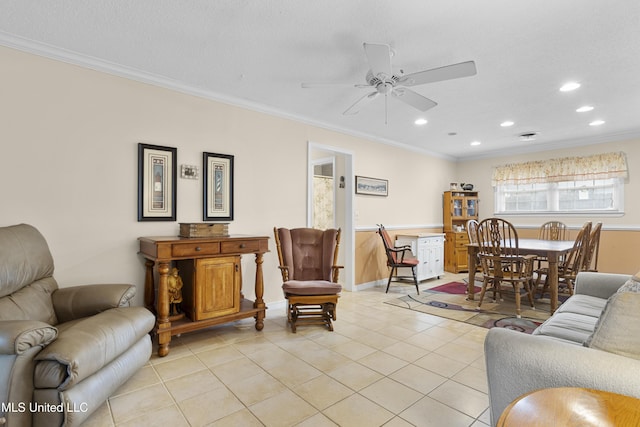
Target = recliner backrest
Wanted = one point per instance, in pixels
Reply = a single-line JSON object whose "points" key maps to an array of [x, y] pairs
{"points": [[26, 275]]}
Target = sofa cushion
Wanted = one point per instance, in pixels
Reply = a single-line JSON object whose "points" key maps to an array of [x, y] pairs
{"points": [[571, 327], [618, 329], [631, 285], [583, 304], [89, 344]]}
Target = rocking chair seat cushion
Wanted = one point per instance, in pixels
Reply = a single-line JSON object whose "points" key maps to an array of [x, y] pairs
{"points": [[311, 287]]}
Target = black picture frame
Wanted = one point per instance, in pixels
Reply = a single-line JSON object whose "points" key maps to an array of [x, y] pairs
{"points": [[217, 194], [372, 186], [157, 172]]}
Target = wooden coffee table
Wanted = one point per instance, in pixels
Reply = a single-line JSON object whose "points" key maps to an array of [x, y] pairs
{"points": [[571, 406]]}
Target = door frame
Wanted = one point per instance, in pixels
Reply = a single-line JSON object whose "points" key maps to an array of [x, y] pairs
{"points": [[347, 240]]}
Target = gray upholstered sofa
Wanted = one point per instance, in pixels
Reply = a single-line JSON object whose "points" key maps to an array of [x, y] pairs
{"points": [[565, 351], [62, 351]]}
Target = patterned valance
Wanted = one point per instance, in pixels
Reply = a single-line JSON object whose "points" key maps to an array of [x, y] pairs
{"points": [[599, 166]]}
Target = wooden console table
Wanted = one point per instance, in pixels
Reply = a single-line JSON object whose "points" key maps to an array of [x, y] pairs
{"points": [[212, 287]]}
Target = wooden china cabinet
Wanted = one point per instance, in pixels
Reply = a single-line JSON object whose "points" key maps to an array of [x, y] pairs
{"points": [[458, 208]]}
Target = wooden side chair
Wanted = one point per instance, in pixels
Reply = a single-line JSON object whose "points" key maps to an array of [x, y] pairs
{"points": [[501, 261], [571, 264], [553, 230], [308, 259], [398, 257], [591, 258]]}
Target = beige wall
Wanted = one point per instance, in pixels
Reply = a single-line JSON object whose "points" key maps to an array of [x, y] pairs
{"points": [[620, 243], [69, 166], [69, 140]]}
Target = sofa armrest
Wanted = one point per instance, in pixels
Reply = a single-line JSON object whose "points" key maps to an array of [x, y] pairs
{"points": [[601, 285], [18, 336], [518, 363], [83, 301]]}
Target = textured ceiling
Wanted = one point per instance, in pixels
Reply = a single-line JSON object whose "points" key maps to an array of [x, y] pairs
{"points": [[257, 54]]}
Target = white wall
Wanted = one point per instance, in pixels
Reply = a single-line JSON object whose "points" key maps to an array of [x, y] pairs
{"points": [[69, 135]]}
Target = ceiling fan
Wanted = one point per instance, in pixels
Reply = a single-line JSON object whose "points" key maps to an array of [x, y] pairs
{"points": [[385, 82]]}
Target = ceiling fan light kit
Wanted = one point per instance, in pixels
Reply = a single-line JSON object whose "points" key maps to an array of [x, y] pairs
{"points": [[381, 78]]}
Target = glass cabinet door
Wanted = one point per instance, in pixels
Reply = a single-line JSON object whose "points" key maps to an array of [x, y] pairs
{"points": [[472, 207], [457, 208]]}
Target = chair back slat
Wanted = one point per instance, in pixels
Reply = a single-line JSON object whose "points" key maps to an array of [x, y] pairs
{"points": [[472, 230], [574, 261], [392, 258], [553, 230], [590, 262]]}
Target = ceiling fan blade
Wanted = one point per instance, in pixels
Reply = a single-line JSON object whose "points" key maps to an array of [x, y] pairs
{"points": [[355, 108], [312, 85], [414, 99], [448, 72], [379, 57]]}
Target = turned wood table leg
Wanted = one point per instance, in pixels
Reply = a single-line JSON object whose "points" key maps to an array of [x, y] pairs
{"points": [[149, 286], [259, 302], [552, 258], [163, 322]]}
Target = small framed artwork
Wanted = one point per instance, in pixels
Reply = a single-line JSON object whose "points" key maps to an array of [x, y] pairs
{"points": [[372, 186], [218, 187], [156, 183]]}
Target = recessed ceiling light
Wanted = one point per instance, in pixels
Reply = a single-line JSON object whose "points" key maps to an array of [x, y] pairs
{"points": [[506, 124], [476, 142], [567, 87], [584, 109], [421, 122], [596, 123]]}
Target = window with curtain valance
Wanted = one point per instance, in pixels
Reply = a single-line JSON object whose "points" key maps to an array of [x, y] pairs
{"points": [[588, 184], [598, 166]]}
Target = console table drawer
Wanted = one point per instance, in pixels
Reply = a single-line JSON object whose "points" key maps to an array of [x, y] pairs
{"points": [[240, 246], [195, 249]]}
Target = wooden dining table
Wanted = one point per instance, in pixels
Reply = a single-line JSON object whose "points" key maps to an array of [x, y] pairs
{"points": [[553, 250]]}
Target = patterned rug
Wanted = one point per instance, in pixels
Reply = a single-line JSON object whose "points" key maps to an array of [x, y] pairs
{"points": [[449, 301]]}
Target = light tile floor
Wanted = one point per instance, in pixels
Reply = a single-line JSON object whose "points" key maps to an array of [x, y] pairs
{"points": [[383, 365]]}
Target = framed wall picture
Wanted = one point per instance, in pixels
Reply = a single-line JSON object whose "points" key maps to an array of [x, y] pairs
{"points": [[156, 183], [372, 186], [218, 187]]}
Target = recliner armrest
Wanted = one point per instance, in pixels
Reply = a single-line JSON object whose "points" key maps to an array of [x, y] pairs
{"points": [[87, 300], [17, 336]]}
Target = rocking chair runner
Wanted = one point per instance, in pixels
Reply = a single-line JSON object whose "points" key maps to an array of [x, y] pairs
{"points": [[309, 273], [397, 257]]}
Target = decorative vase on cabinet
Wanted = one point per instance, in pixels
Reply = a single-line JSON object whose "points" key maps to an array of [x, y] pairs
{"points": [[458, 208]]}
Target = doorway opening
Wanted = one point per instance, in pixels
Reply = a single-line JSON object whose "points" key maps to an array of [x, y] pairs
{"points": [[330, 200]]}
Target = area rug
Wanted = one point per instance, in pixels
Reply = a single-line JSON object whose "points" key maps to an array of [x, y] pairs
{"points": [[449, 301]]}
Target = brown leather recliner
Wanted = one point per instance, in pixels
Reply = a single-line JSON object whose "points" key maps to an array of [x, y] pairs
{"points": [[64, 351]]}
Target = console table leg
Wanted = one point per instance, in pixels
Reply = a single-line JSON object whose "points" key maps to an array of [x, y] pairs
{"points": [[163, 322], [259, 302], [149, 286]]}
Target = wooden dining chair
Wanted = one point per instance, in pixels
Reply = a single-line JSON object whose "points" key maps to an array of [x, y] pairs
{"points": [[553, 230], [571, 264], [398, 257], [591, 258], [501, 261]]}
